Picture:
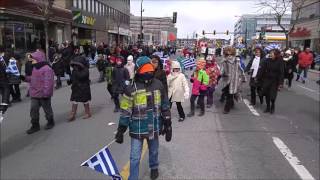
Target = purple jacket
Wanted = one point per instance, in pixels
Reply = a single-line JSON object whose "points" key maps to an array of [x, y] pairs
{"points": [[41, 81]]}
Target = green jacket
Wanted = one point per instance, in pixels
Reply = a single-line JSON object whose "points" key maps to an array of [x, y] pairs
{"points": [[142, 107]]}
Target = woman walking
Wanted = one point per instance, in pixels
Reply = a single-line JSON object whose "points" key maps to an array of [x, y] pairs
{"points": [[159, 74], [178, 89], [200, 80], [213, 72], [232, 75], [271, 76], [253, 67], [80, 87], [289, 67]]}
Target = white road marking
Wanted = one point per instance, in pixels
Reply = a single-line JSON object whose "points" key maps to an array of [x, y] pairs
{"points": [[251, 108], [111, 123], [307, 88], [293, 160]]}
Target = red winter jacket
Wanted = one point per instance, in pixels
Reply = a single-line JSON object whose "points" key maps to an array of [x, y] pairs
{"points": [[305, 59]]}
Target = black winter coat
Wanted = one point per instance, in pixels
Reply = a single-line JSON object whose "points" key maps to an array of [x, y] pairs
{"points": [[119, 76], [58, 67], [253, 81], [160, 74], [289, 68], [67, 55], [80, 81], [271, 76]]}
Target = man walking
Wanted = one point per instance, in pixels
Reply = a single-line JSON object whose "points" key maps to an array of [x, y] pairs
{"points": [[305, 59]]}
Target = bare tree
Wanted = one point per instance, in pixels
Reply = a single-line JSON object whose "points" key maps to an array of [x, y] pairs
{"points": [[45, 7], [279, 8]]}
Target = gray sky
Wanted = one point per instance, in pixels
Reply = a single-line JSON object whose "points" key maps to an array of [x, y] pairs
{"points": [[198, 15]]}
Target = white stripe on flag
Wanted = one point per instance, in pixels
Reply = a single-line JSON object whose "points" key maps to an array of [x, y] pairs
{"points": [[102, 165], [109, 162]]}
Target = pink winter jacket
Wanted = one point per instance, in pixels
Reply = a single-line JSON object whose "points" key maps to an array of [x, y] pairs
{"points": [[41, 81]]}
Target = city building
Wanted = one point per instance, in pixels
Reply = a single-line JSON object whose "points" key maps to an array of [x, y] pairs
{"points": [[100, 21], [307, 27], [156, 30], [247, 29], [21, 25]]}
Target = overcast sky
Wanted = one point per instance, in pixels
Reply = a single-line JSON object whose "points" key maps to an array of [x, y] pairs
{"points": [[197, 15]]}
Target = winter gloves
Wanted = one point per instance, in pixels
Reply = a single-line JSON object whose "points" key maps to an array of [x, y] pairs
{"points": [[186, 95], [119, 135], [166, 128]]}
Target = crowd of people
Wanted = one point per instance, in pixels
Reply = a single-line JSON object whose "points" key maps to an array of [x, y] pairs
{"points": [[143, 90]]}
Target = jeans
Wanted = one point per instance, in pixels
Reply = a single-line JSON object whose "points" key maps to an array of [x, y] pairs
{"points": [[5, 93], [305, 73], [45, 103], [135, 156], [116, 100], [210, 95]]}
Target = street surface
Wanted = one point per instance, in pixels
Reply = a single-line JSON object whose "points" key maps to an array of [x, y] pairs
{"points": [[244, 144]]}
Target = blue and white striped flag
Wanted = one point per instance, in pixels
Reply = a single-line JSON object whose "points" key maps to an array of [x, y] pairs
{"points": [[164, 60], [103, 162], [188, 63], [12, 68], [273, 46]]}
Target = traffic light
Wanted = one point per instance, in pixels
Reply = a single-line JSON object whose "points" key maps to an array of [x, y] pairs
{"points": [[227, 33], [174, 19], [203, 32], [214, 32]]}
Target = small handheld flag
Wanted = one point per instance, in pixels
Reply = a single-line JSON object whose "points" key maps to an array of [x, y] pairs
{"points": [[188, 63], [103, 162]]}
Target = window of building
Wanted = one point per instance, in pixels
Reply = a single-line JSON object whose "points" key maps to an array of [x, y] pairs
{"points": [[75, 3], [80, 4], [101, 9], [84, 5], [96, 7], [89, 5]]}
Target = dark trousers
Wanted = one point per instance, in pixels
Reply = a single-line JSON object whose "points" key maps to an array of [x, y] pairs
{"points": [[180, 109], [58, 82], [5, 93], [15, 91], [109, 88], [45, 103], [200, 102], [230, 99], [116, 100], [254, 91], [210, 95]]}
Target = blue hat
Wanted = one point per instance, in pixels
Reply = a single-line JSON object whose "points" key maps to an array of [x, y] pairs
{"points": [[142, 60]]}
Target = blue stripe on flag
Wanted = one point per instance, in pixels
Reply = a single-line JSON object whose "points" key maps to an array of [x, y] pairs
{"points": [[112, 161], [105, 163]]}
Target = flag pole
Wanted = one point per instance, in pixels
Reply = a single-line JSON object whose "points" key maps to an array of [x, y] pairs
{"points": [[101, 149]]}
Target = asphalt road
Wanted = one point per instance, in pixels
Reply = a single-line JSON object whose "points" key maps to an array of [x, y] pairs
{"points": [[245, 144]]}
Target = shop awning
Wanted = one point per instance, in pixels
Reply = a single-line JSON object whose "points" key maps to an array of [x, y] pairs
{"points": [[28, 8]]}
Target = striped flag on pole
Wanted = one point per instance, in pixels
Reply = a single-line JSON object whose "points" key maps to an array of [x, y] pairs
{"points": [[188, 63], [103, 162]]}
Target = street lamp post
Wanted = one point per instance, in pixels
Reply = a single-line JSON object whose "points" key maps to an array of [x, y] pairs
{"points": [[141, 39]]}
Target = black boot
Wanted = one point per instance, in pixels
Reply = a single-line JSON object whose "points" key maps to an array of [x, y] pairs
{"points": [[201, 113], [261, 99], [49, 125], [272, 107], [191, 113], [34, 128], [154, 174], [267, 109]]}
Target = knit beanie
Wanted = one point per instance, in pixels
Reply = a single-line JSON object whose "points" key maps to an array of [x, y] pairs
{"points": [[39, 56], [142, 61]]}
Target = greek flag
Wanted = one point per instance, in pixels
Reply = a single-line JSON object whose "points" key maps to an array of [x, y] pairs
{"points": [[188, 63], [12, 68], [273, 46], [103, 162], [164, 60]]}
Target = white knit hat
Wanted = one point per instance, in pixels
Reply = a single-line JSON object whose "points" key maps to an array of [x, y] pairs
{"points": [[175, 65]]}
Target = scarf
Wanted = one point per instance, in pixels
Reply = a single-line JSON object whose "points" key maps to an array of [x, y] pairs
{"points": [[255, 66]]}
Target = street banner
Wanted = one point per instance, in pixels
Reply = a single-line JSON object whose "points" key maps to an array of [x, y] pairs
{"points": [[103, 162], [203, 50], [211, 51]]}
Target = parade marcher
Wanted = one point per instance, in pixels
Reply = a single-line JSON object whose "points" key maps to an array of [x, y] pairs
{"points": [[199, 80], [213, 72], [305, 60], [289, 67], [66, 55], [41, 91], [101, 66], [109, 69], [80, 87], [120, 78], [232, 76], [252, 68], [159, 74], [130, 67], [4, 84], [58, 68], [271, 77], [142, 105], [14, 80], [178, 88]]}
